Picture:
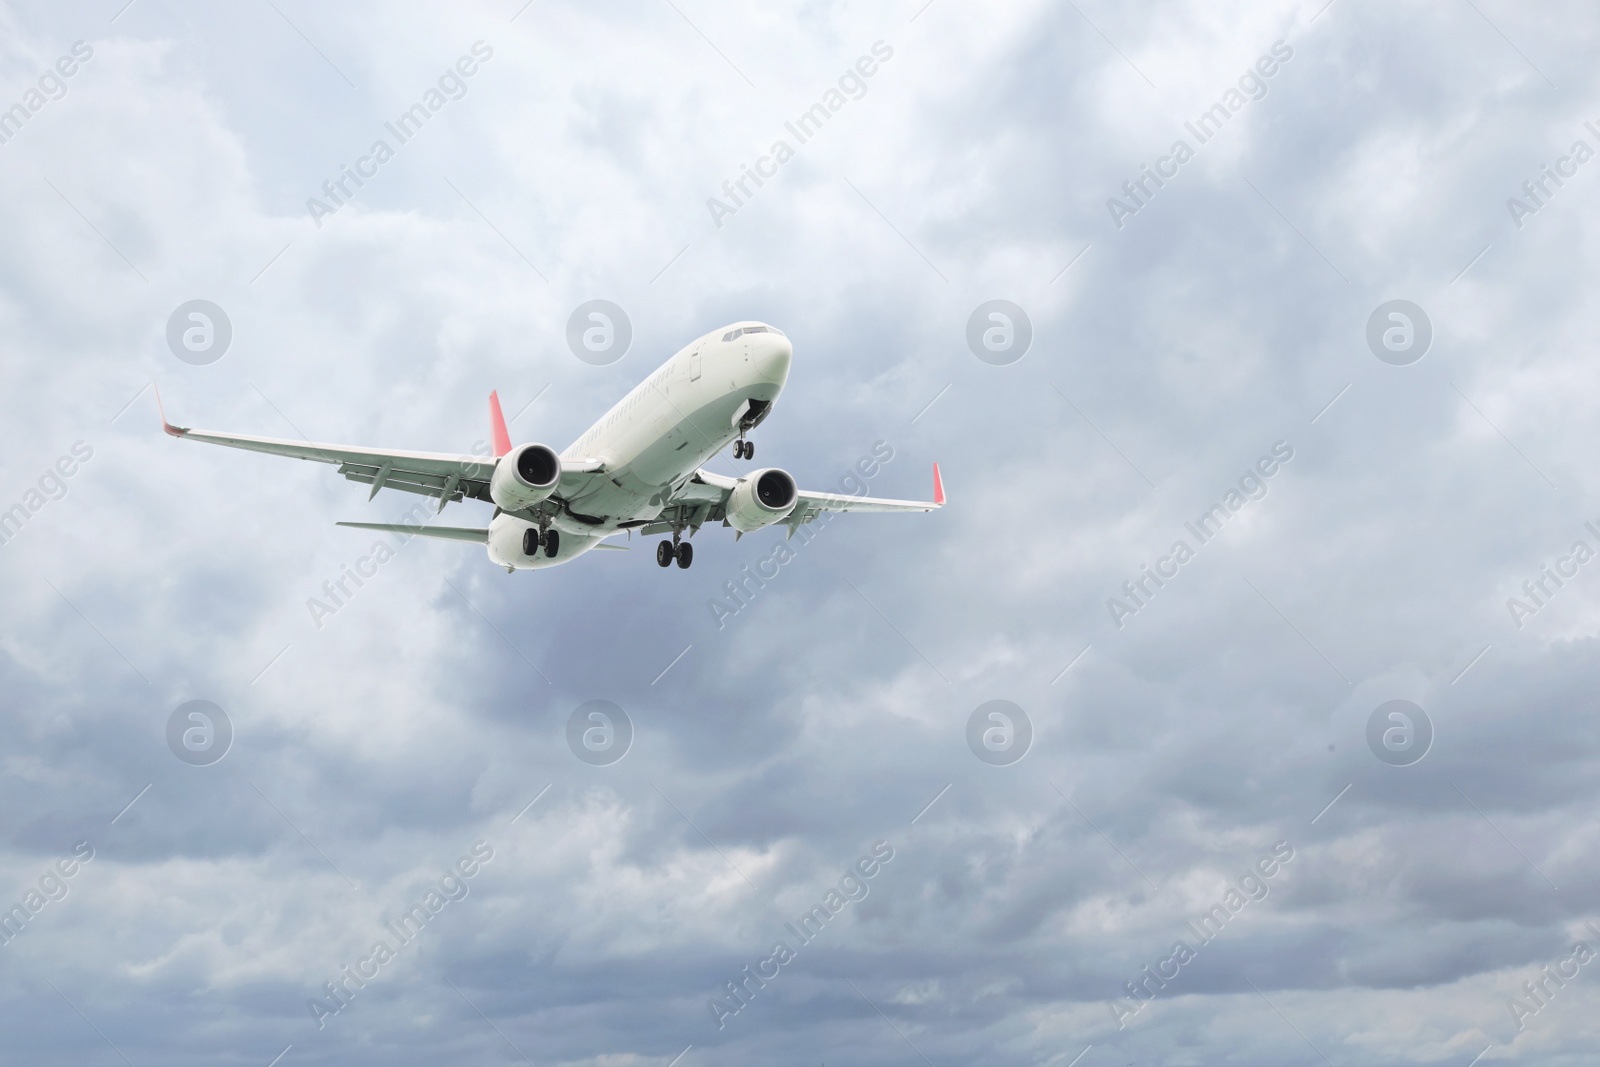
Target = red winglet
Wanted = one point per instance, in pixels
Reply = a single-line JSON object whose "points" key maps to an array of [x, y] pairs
{"points": [[497, 425], [938, 486], [175, 431]]}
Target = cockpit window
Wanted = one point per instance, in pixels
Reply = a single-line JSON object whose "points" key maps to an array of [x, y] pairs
{"points": [[732, 334]]}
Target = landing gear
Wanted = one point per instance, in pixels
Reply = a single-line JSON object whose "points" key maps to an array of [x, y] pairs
{"points": [[743, 449], [682, 551], [533, 540]]}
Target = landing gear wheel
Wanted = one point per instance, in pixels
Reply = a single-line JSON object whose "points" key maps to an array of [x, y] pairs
{"points": [[664, 554], [685, 554], [530, 542], [552, 543], [738, 450], [749, 449]]}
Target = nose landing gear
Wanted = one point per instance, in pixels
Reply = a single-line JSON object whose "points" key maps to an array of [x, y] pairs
{"points": [[746, 419]]}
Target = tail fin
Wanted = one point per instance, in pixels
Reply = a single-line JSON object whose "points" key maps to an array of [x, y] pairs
{"points": [[497, 426]]}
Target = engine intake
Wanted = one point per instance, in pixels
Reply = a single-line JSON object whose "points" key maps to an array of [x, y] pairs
{"points": [[525, 476], [761, 499]]}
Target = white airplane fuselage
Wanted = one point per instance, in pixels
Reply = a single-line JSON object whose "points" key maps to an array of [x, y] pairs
{"points": [[656, 437]]}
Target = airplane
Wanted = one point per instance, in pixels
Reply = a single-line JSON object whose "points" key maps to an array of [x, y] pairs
{"points": [[639, 468]]}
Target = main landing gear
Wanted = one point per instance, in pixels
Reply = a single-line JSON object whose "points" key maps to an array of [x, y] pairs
{"points": [[667, 551], [533, 540], [743, 449]]}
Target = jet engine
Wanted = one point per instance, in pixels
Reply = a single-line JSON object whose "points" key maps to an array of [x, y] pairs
{"points": [[761, 499], [525, 476]]}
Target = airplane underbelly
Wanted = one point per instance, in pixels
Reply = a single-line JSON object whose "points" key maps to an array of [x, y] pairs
{"points": [[665, 448], [692, 439], [616, 497], [505, 544]]}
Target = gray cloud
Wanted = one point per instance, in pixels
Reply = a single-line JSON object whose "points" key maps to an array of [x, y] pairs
{"points": [[1227, 715]]}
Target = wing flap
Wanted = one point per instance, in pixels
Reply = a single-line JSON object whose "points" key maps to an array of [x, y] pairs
{"points": [[414, 482]]}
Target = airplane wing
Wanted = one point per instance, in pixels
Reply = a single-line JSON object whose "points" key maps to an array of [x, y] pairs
{"points": [[448, 476], [812, 504], [448, 533], [438, 474], [705, 496]]}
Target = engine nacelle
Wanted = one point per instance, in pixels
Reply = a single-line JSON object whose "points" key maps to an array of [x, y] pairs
{"points": [[761, 499], [525, 476]]}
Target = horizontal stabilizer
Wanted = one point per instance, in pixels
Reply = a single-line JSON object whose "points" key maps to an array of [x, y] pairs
{"points": [[449, 533]]}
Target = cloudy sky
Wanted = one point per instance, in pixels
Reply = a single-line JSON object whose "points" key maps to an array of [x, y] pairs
{"points": [[1416, 539]]}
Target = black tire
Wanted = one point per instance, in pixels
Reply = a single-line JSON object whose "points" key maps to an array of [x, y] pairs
{"points": [[552, 543], [749, 450], [685, 555], [530, 542], [664, 554], [738, 450]]}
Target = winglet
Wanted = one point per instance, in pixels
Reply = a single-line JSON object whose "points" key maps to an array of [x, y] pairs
{"points": [[497, 426], [175, 431], [938, 487]]}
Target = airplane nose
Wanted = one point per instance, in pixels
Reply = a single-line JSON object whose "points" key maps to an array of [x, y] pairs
{"points": [[772, 358]]}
